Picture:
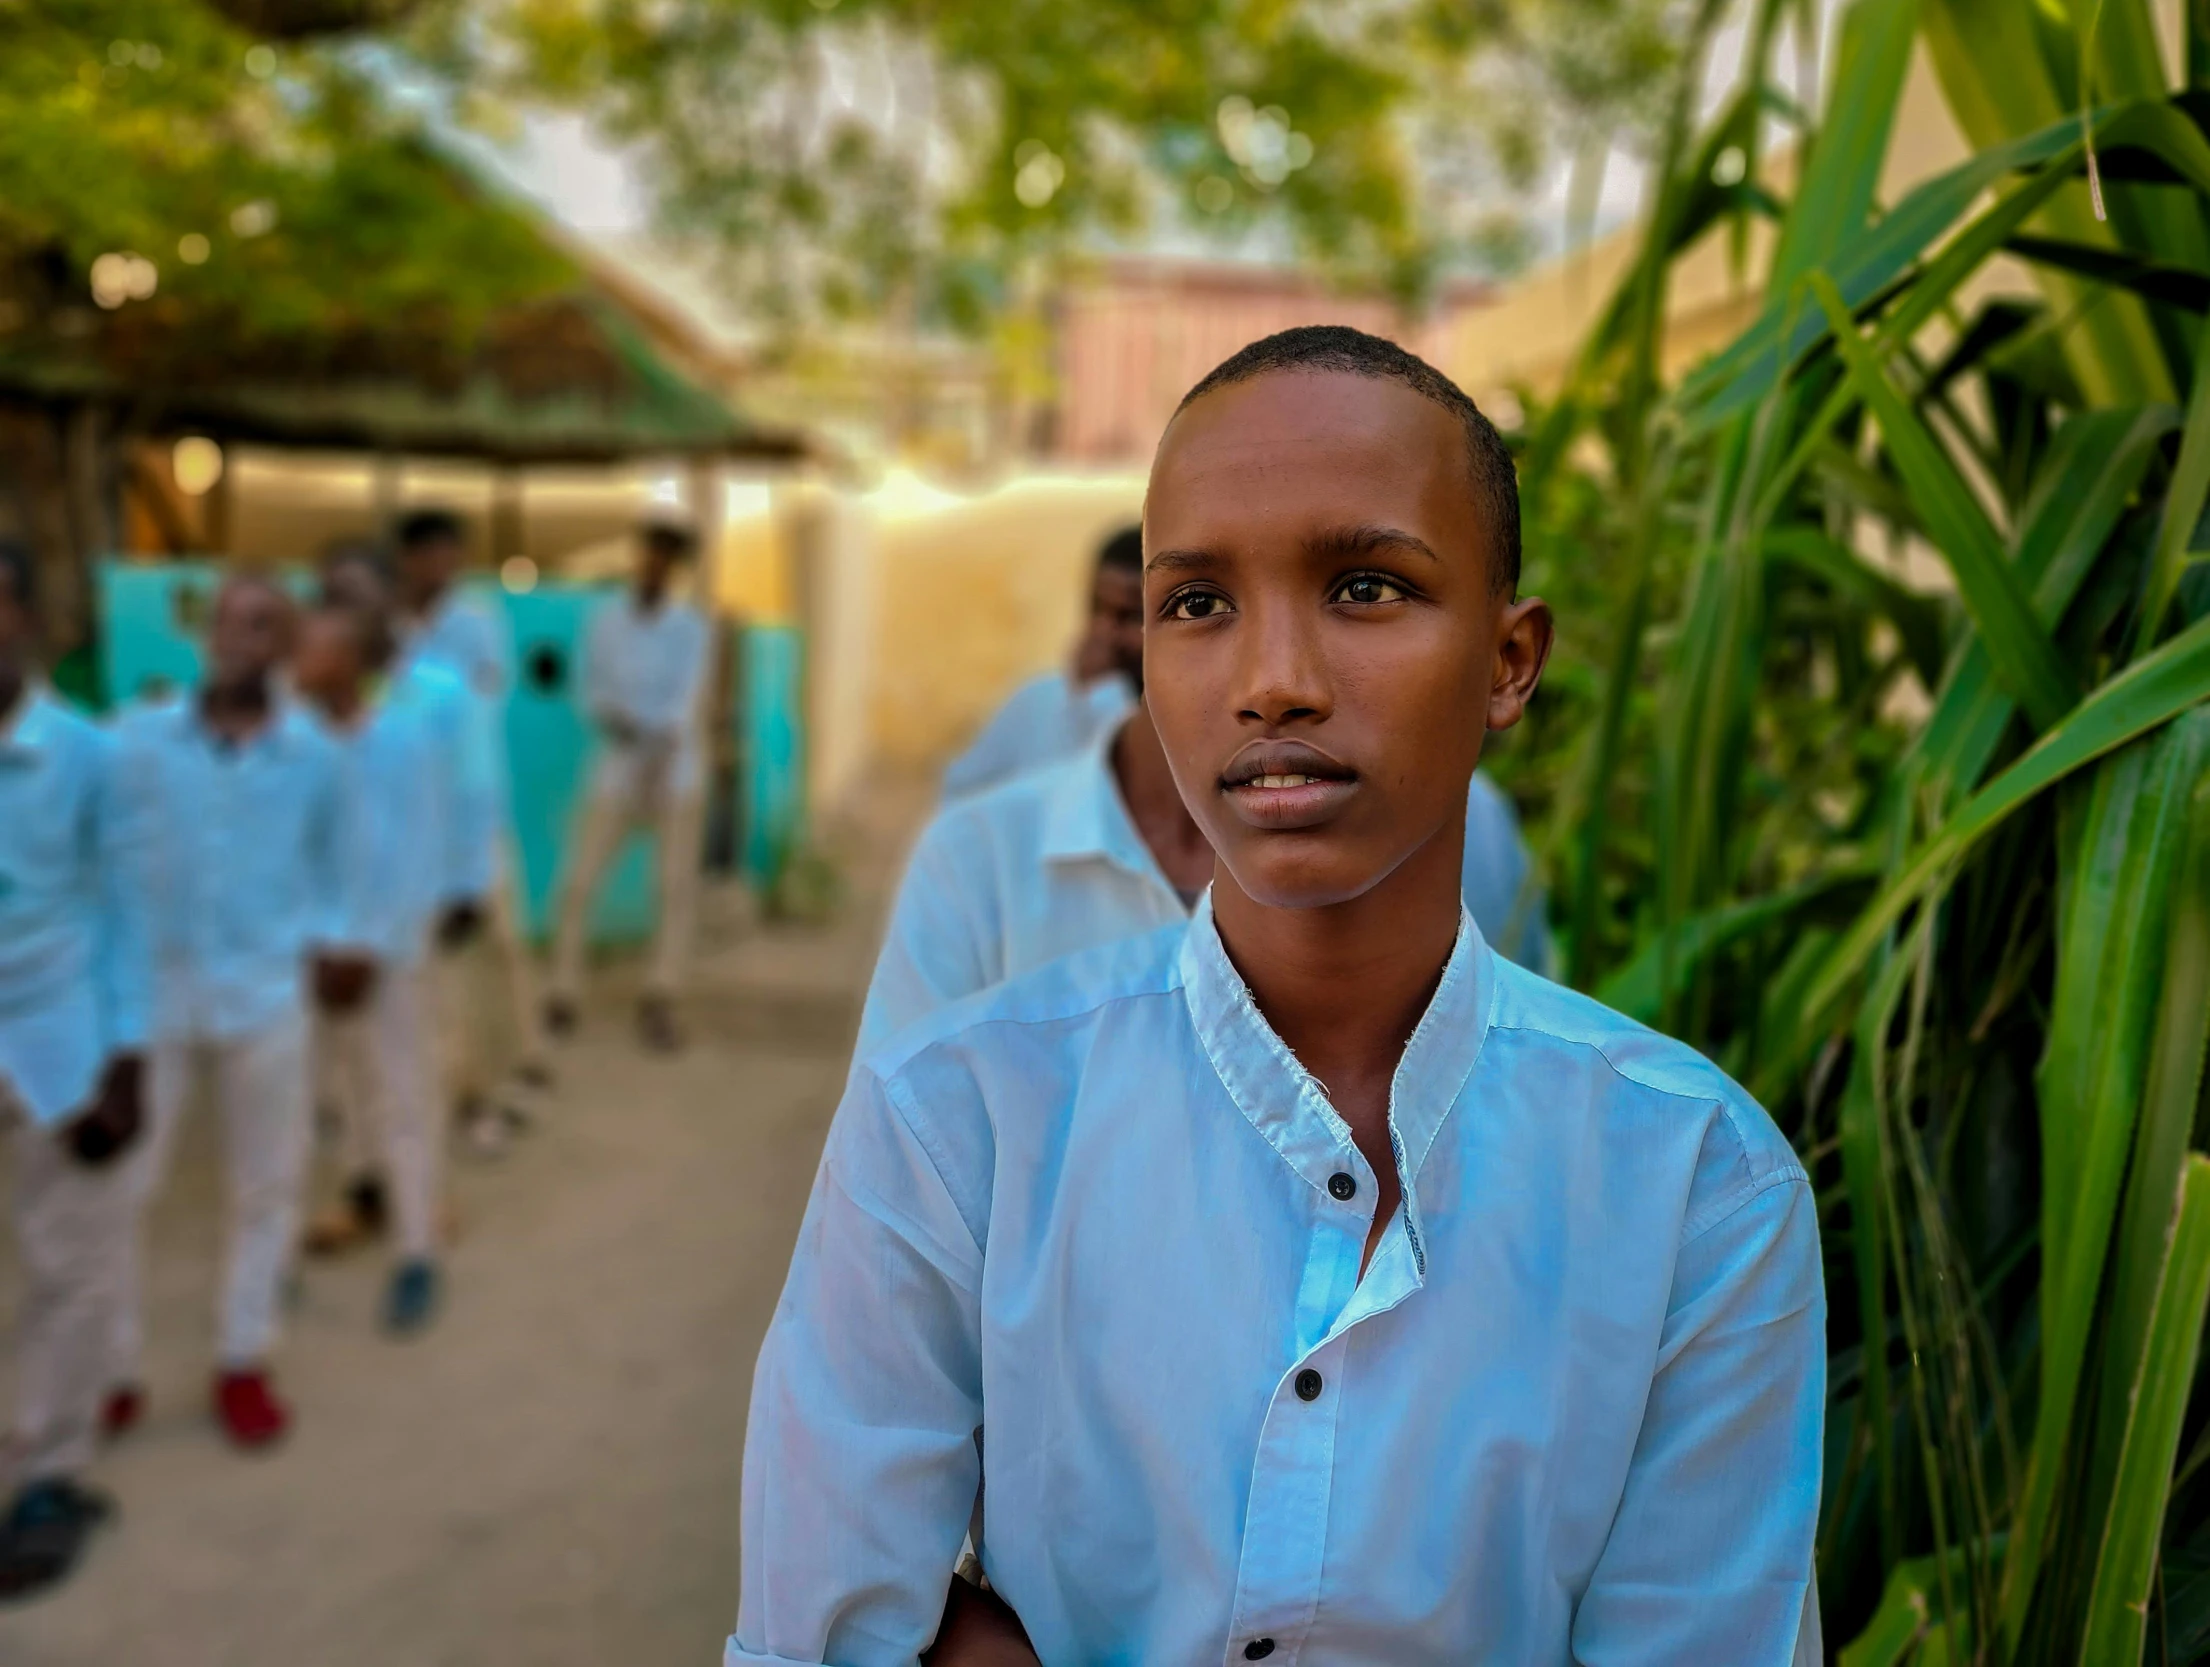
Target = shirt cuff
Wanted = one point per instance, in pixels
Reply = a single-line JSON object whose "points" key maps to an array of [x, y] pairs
{"points": [[735, 1655]]}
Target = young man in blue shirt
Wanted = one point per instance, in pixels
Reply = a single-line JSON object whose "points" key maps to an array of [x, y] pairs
{"points": [[244, 886], [417, 820], [72, 1041], [1326, 1287]]}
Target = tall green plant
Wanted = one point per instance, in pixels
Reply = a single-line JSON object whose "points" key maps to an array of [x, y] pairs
{"points": [[1929, 867]]}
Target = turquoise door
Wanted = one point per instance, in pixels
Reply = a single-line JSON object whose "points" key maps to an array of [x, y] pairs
{"points": [[549, 744]]}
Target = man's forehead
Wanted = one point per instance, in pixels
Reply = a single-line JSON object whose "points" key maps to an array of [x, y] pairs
{"points": [[1332, 444]]}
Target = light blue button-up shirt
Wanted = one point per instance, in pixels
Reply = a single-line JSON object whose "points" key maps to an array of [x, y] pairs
{"points": [[1570, 1413], [72, 955], [1041, 722], [1051, 862], [244, 867], [647, 667], [468, 636], [416, 811]]}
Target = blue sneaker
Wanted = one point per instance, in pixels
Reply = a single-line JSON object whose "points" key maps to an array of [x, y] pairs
{"points": [[44, 1533], [411, 1302]]}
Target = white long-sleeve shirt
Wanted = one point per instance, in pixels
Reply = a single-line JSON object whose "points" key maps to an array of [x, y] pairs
{"points": [[645, 668], [1570, 1413], [73, 973], [242, 868]]}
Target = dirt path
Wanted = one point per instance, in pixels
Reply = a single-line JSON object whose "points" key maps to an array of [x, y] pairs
{"points": [[548, 1478]]}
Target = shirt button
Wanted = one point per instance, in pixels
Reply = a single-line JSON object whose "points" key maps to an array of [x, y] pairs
{"points": [[1308, 1385], [1342, 1184], [1258, 1649]]}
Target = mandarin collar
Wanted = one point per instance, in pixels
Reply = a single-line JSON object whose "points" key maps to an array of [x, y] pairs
{"points": [[1286, 1104]]}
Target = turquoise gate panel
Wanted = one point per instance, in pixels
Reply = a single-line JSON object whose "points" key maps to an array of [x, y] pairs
{"points": [[549, 744], [771, 800]]}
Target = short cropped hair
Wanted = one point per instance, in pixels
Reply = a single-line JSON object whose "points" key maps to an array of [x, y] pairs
{"points": [[1337, 347], [19, 573], [1124, 549], [671, 539], [429, 526]]}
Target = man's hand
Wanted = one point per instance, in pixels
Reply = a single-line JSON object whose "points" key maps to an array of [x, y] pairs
{"points": [[979, 1630], [458, 925], [105, 1129], [343, 981]]}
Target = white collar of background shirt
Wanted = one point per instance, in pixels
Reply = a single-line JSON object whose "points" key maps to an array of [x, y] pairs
{"points": [[1085, 817], [23, 736]]}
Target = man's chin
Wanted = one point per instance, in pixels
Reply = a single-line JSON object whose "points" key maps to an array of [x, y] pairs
{"points": [[1306, 870]]}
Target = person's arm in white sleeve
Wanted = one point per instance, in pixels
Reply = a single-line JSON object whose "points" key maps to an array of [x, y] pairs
{"points": [[597, 683], [860, 1464], [942, 942], [1710, 1554], [469, 769], [119, 854]]}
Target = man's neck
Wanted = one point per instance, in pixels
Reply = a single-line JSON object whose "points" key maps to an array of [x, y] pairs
{"points": [[236, 711], [15, 688], [1147, 788], [1345, 985], [647, 601]]}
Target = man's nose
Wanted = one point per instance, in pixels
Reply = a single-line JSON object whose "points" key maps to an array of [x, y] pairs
{"points": [[1281, 672]]}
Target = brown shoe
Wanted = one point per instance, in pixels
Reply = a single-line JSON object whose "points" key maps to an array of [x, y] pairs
{"points": [[656, 1025]]}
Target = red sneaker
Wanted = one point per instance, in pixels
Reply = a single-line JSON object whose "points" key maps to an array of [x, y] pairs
{"points": [[121, 1411], [248, 1409]]}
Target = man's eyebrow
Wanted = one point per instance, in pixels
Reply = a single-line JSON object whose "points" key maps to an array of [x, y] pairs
{"points": [[1349, 543], [1180, 561]]}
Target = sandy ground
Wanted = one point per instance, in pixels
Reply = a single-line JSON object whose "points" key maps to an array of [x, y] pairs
{"points": [[548, 1478]]}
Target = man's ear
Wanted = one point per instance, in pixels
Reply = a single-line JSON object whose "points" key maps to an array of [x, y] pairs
{"points": [[1522, 650]]}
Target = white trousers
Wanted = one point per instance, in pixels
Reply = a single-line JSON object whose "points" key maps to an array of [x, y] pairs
{"points": [[373, 1069], [73, 1224], [260, 1082], [615, 803], [470, 982]]}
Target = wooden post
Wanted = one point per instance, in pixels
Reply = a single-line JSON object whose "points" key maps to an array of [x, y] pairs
{"points": [[509, 525]]}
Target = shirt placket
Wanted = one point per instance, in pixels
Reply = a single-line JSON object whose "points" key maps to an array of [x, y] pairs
{"points": [[1285, 1523]]}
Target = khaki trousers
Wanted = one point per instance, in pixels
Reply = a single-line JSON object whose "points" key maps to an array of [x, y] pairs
{"points": [[611, 809], [261, 1082], [470, 983], [374, 1071], [73, 1224]]}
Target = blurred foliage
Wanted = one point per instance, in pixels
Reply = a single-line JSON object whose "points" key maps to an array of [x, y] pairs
{"points": [[902, 158], [1927, 864], [274, 210]]}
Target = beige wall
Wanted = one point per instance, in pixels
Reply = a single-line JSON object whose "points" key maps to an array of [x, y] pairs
{"points": [[927, 606]]}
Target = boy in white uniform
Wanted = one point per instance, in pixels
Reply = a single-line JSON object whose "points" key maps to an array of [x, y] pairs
{"points": [[243, 883], [416, 820], [72, 1038], [1327, 1287], [646, 659], [479, 942]]}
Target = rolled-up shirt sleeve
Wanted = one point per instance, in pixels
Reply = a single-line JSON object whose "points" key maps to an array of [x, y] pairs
{"points": [[860, 1465], [1710, 1554]]}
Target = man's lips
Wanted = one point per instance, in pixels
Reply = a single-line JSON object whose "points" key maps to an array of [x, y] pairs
{"points": [[1284, 785]]}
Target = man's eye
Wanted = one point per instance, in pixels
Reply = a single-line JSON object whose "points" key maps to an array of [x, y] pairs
{"points": [[1367, 587], [1197, 604]]}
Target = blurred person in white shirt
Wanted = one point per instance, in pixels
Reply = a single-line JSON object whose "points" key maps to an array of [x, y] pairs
{"points": [[1062, 711], [241, 874], [417, 820], [72, 1042], [646, 664], [483, 965]]}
